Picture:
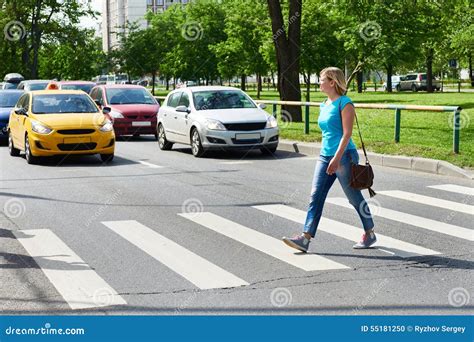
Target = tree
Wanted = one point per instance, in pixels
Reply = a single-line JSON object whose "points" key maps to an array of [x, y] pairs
{"points": [[287, 47]]}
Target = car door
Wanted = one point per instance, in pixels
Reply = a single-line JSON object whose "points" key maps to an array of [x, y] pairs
{"points": [[169, 118], [18, 121], [181, 119]]}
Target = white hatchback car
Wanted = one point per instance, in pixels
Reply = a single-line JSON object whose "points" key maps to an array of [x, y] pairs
{"points": [[215, 118]]}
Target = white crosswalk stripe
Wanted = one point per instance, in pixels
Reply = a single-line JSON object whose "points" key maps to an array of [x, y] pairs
{"points": [[262, 242], [436, 202], [345, 231], [79, 285], [413, 220], [153, 166], [189, 265], [464, 190]]}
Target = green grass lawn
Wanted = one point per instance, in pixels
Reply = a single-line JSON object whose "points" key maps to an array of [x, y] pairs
{"points": [[423, 134]]}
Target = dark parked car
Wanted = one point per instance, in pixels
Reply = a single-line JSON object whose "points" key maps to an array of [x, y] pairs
{"points": [[8, 100]]}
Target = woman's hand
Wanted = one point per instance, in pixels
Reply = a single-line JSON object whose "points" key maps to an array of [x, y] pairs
{"points": [[333, 165]]}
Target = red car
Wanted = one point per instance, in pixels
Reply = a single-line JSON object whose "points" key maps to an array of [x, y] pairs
{"points": [[133, 108]]}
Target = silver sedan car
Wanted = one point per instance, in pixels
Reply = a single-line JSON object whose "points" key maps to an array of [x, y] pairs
{"points": [[215, 118]]}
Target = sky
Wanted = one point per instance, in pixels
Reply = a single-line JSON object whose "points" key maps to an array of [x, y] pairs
{"points": [[88, 22]]}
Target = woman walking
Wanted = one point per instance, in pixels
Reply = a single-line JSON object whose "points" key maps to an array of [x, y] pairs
{"points": [[337, 154]]}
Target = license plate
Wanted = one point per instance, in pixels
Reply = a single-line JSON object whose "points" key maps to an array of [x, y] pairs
{"points": [[247, 136], [141, 123], [77, 140]]}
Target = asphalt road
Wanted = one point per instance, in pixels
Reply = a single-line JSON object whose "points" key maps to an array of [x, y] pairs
{"points": [[165, 233]]}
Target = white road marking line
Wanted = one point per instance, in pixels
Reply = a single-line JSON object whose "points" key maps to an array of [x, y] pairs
{"points": [[345, 231], [435, 202], [454, 188], [413, 220], [236, 162], [263, 243], [153, 166], [189, 265], [79, 285]]}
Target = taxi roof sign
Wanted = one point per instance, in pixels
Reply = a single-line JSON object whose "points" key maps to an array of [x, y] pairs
{"points": [[52, 86]]}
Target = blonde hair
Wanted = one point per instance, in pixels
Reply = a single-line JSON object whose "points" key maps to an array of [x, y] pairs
{"points": [[336, 75]]}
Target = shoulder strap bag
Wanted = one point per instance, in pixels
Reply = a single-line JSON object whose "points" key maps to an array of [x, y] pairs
{"points": [[362, 176]]}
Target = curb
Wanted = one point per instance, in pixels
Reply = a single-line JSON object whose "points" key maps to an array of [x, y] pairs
{"points": [[434, 166]]}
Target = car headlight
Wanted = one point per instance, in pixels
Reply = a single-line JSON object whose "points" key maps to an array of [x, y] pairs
{"points": [[271, 122], [116, 115], [40, 128], [215, 125], [107, 127]]}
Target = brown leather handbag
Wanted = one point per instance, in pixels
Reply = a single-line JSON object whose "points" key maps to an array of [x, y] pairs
{"points": [[362, 176]]}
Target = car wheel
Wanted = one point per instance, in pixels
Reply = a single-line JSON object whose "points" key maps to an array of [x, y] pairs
{"points": [[413, 88], [398, 87], [196, 145], [14, 152], [268, 151], [163, 144], [107, 158], [30, 158]]}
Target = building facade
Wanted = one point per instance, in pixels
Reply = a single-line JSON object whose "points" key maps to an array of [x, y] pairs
{"points": [[116, 13]]}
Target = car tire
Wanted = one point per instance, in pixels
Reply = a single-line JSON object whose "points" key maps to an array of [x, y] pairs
{"points": [[14, 152], [414, 88], [268, 151], [163, 143], [196, 145], [30, 158], [107, 158], [398, 87]]}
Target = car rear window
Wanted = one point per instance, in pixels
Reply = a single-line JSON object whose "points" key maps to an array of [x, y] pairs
{"points": [[63, 103], [86, 88]]}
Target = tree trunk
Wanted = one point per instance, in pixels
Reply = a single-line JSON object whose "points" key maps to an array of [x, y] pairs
{"points": [[389, 77], [153, 78], [259, 85], [287, 54], [167, 83], [471, 74], [242, 82], [429, 70], [360, 80]]}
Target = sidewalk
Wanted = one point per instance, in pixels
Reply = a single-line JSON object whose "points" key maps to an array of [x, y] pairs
{"points": [[440, 167]]}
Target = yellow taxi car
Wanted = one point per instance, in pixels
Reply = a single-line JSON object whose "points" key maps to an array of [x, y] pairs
{"points": [[59, 122]]}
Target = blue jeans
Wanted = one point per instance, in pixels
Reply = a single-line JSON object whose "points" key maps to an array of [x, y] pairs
{"points": [[322, 182]]}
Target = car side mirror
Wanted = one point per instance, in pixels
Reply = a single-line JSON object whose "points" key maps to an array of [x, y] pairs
{"points": [[21, 111], [182, 109], [106, 110], [262, 105]]}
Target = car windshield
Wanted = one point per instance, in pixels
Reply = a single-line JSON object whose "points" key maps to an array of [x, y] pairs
{"points": [[37, 86], [118, 96], [63, 103], [84, 87], [221, 99], [9, 99]]}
